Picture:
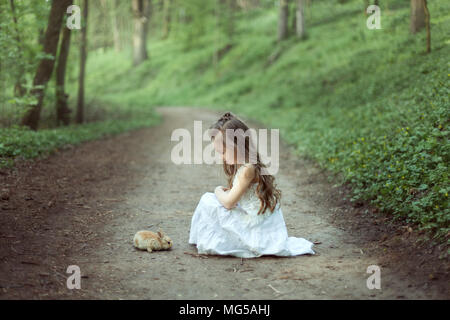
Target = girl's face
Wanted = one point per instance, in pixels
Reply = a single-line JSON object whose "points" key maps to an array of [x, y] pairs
{"points": [[228, 154]]}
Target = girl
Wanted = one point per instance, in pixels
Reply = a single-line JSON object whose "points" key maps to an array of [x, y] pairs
{"points": [[244, 219]]}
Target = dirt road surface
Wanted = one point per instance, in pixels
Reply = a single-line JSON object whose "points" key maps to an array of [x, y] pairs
{"points": [[82, 206]]}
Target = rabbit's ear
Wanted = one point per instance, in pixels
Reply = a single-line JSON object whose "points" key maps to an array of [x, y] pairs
{"points": [[160, 234]]}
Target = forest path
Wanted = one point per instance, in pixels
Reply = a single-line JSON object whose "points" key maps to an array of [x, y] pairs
{"points": [[82, 207]]}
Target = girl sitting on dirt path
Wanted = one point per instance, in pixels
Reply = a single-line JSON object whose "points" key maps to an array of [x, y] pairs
{"points": [[244, 219]]}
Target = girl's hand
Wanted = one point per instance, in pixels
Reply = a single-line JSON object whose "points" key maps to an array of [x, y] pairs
{"points": [[221, 192], [220, 189], [230, 198]]}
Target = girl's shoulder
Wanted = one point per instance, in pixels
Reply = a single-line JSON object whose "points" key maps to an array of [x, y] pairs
{"points": [[247, 171]]}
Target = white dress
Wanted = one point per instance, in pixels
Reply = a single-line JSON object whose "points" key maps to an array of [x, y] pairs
{"points": [[240, 231]]}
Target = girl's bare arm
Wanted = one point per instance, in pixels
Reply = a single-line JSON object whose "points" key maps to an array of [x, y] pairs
{"points": [[230, 198]]}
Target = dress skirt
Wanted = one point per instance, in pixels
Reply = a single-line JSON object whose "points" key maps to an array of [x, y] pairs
{"points": [[219, 231]]}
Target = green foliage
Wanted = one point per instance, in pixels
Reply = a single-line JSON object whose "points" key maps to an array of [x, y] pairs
{"points": [[395, 152], [20, 52], [19, 142]]}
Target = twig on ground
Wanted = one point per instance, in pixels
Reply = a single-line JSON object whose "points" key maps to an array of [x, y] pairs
{"points": [[246, 270], [269, 285], [251, 279]]}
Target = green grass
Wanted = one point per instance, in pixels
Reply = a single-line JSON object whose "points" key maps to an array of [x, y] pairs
{"points": [[20, 142], [368, 105]]}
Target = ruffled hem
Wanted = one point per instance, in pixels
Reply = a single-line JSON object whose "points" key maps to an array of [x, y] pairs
{"points": [[217, 230]]}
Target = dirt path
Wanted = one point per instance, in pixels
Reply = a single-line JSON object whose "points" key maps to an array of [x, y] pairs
{"points": [[82, 207]]}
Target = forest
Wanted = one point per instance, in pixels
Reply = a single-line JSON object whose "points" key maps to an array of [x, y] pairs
{"points": [[359, 87]]}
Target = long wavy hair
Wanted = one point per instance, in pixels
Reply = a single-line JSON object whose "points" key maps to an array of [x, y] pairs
{"points": [[266, 190]]}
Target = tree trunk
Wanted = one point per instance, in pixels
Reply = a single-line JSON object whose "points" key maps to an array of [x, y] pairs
{"points": [[300, 19], [167, 17], [45, 67], [62, 110], [141, 9], [83, 58], [19, 89], [283, 20], [427, 25], [417, 15], [115, 26]]}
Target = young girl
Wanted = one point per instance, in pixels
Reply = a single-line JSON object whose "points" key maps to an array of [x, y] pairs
{"points": [[244, 219]]}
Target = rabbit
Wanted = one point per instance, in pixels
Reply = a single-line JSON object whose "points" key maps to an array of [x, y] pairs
{"points": [[151, 241]]}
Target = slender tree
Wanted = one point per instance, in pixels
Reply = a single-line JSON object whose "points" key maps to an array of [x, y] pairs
{"points": [[115, 26], [45, 67], [167, 11], [62, 110], [427, 25], [19, 89], [141, 15], [83, 58], [300, 19], [417, 15], [283, 20]]}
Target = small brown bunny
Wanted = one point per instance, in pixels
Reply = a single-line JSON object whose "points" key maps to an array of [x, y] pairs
{"points": [[148, 240]]}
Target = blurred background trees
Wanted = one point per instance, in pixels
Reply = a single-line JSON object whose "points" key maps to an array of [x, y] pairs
{"points": [[45, 66], [31, 33]]}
